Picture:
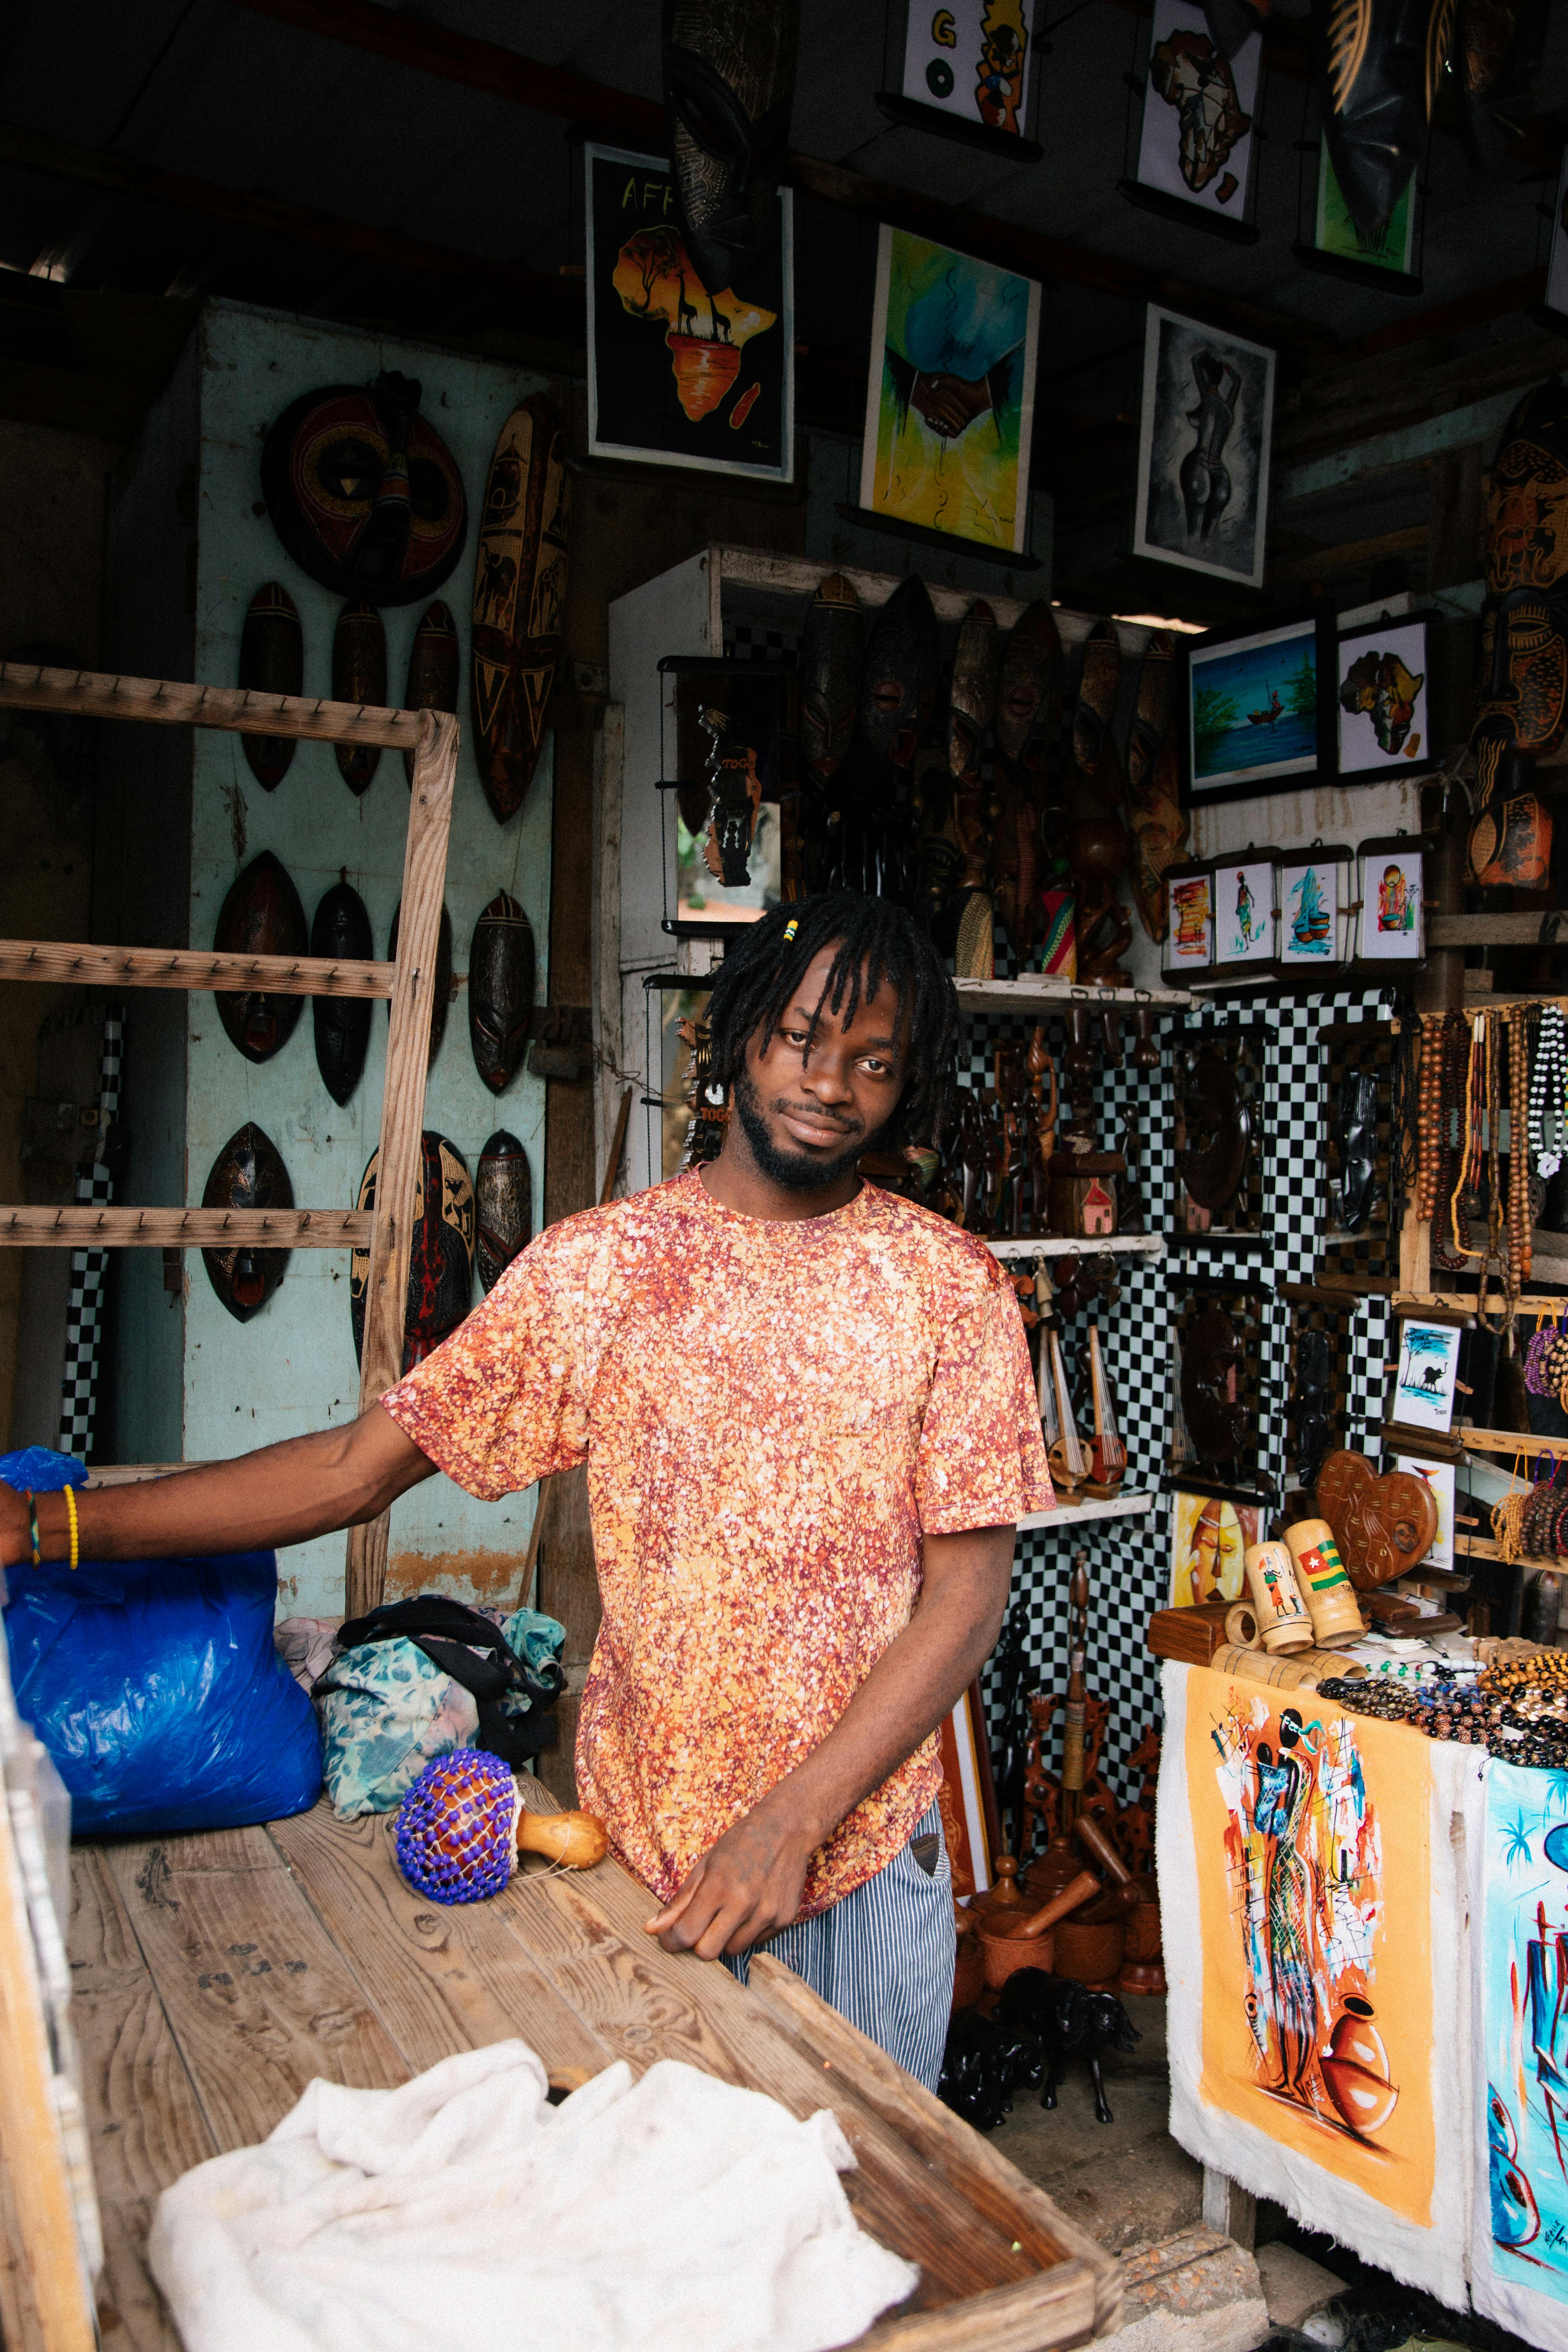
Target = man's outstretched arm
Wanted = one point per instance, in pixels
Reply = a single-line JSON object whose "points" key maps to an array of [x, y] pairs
{"points": [[283, 1495]]}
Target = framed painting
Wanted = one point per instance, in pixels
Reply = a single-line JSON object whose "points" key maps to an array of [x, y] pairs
{"points": [[1315, 893], [1259, 705], [1204, 436], [1246, 912], [1424, 1379], [1210, 1538], [1381, 676], [967, 68], [1390, 253], [1439, 1476], [1195, 143], [950, 397], [1393, 903], [1189, 919], [677, 375], [966, 1798]]}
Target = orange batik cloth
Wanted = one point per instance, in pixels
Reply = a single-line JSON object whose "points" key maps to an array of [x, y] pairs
{"points": [[772, 1415]]}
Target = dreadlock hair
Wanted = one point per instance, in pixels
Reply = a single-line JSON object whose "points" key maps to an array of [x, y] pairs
{"points": [[876, 941]]}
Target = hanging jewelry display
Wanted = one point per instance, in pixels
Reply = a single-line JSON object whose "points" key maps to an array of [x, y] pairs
{"points": [[1548, 1118], [1520, 1219]]}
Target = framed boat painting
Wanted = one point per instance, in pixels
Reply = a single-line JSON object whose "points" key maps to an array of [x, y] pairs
{"points": [[1204, 436], [1259, 710]]}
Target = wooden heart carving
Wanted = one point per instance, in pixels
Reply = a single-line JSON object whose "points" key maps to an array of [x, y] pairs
{"points": [[1382, 1526]]}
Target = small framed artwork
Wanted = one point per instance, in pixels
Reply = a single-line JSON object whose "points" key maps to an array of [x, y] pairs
{"points": [[1189, 920], [1194, 138], [1245, 914], [1259, 706], [1426, 1370], [1316, 887], [1439, 1476], [1205, 435], [678, 376], [1383, 257], [1210, 1538], [1393, 924], [967, 68], [949, 396], [1381, 678]]}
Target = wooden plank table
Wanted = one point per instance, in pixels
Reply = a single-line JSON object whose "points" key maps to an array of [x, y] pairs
{"points": [[215, 1975]]}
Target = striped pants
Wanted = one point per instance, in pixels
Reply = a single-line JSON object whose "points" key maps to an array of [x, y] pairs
{"points": [[883, 1957]]}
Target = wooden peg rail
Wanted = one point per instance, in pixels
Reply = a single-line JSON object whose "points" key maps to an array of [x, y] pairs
{"points": [[189, 968], [88, 694], [185, 1228]]}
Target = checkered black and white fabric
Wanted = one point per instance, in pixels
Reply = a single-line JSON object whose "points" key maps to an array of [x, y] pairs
{"points": [[1129, 1560], [84, 1305]]}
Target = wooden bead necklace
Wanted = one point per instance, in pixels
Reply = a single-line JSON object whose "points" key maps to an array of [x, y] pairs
{"points": [[1520, 1220]]}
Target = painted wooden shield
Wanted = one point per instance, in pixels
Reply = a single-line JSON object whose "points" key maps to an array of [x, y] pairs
{"points": [[520, 601], [363, 493], [260, 916], [441, 1256], [271, 661], [504, 1196], [500, 991], [249, 1174], [434, 670], [359, 675], [441, 991], [832, 653], [342, 929]]}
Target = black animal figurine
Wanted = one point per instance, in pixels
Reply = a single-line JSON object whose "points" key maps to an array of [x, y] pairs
{"points": [[1065, 2018], [982, 2065]]}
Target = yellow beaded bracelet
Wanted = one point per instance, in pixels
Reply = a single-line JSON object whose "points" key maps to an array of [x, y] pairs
{"points": [[70, 1508]]}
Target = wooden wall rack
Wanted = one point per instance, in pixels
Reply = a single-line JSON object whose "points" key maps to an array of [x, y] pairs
{"points": [[433, 737]]}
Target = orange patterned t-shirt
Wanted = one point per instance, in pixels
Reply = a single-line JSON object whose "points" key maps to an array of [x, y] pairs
{"points": [[772, 1415]]}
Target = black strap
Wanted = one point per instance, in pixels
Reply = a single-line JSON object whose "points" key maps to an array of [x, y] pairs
{"points": [[450, 1633]]}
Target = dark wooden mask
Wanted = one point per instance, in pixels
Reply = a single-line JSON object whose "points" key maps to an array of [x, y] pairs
{"points": [[363, 493], [898, 685], [441, 986], [504, 1198], [435, 665], [1522, 689], [359, 675], [832, 656], [971, 696], [500, 992], [441, 1257], [271, 661], [728, 83], [1527, 497], [260, 916], [1029, 691], [519, 600], [342, 929], [1219, 1132], [1383, 66], [249, 1174]]}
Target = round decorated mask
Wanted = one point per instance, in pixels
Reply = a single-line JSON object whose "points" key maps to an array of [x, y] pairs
{"points": [[363, 493]]}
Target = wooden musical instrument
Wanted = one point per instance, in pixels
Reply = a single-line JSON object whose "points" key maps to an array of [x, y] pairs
{"points": [[1069, 1466], [1107, 1454]]}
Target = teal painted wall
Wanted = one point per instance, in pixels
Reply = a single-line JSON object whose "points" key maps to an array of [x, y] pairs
{"points": [[292, 1369]]}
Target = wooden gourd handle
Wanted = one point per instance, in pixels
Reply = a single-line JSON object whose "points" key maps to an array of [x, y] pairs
{"points": [[1091, 1835], [576, 1840], [1082, 1889]]}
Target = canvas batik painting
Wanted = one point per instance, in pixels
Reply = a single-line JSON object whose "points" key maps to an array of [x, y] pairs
{"points": [[972, 59], [1205, 433], [1312, 1835], [950, 397], [678, 374], [1196, 137], [1521, 2221]]}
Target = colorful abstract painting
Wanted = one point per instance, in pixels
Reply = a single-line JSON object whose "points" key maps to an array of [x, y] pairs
{"points": [[1209, 1542], [950, 399], [972, 59], [678, 375], [1523, 1974], [1312, 1830]]}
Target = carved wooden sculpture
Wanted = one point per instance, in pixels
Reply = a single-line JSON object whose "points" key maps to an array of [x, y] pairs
{"points": [[1383, 1526]]}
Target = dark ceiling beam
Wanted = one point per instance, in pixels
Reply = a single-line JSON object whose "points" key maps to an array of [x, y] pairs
{"points": [[119, 175], [1488, 303], [594, 106]]}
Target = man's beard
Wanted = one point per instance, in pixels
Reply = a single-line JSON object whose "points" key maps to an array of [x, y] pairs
{"points": [[792, 1172]]}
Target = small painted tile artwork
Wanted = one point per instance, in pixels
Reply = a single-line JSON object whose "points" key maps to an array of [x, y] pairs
{"points": [[1244, 912], [1191, 922], [1310, 913], [1424, 1384], [1391, 906]]}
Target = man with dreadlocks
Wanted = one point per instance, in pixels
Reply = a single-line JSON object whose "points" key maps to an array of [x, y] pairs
{"points": [[806, 1407]]}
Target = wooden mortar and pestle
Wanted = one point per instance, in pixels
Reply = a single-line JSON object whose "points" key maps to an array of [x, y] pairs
{"points": [[1013, 1938], [1089, 1946]]}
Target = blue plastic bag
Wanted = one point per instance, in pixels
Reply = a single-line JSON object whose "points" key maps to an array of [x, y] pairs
{"points": [[156, 1686]]}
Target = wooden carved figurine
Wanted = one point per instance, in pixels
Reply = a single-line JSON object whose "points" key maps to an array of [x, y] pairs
{"points": [[1029, 700], [735, 795], [1099, 850], [1040, 1135]]}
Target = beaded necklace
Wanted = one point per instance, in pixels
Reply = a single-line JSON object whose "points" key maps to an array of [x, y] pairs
{"points": [[1548, 1094], [1520, 1223]]}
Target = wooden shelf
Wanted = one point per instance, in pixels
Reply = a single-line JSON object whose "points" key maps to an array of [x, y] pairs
{"points": [[1072, 1515], [25, 685], [1036, 993], [1131, 1244], [185, 1228], [190, 968]]}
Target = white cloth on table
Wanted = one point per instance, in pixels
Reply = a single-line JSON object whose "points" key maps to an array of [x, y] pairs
{"points": [[673, 2214]]}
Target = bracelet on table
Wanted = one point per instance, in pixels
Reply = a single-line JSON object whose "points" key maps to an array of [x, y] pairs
{"points": [[70, 1509], [32, 1502]]}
